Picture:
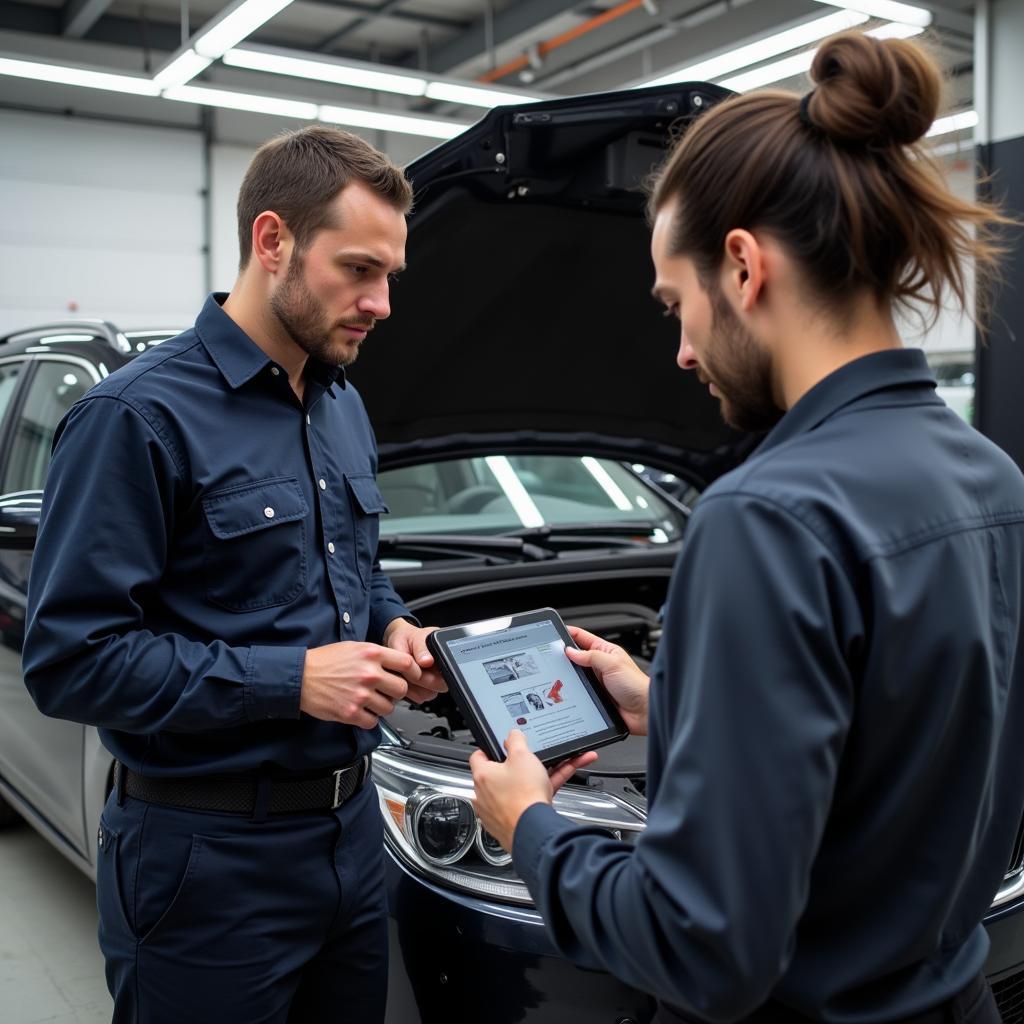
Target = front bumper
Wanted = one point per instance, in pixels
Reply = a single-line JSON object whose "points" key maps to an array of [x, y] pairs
{"points": [[456, 958]]}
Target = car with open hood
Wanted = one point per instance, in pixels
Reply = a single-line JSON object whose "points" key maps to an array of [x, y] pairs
{"points": [[525, 396]]}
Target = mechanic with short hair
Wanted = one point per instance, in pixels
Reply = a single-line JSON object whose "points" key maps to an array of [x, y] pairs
{"points": [[206, 591], [836, 710]]}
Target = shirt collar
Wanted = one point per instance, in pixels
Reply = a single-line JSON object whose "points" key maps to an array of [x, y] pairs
{"points": [[238, 357], [888, 370]]}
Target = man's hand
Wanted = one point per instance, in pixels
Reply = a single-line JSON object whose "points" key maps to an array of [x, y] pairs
{"points": [[403, 636], [504, 790], [354, 682], [620, 675]]}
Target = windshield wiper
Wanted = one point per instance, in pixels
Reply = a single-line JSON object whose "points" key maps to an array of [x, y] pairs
{"points": [[460, 544], [621, 534]]}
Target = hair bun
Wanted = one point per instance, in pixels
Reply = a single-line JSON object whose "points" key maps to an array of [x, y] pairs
{"points": [[881, 91]]}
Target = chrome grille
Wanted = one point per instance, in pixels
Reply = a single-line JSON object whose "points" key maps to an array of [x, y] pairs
{"points": [[1009, 995], [1017, 860]]}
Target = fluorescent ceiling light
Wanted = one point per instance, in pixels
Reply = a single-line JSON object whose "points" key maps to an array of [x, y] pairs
{"points": [[953, 123], [887, 9], [242, 101], [361, 117], [326, 71], [762, 49], [181, 69], [952, 149], [895, 30], [800, 63], [474, 96], [779, 71], [240, 21], [366, 76], [65, 75]]}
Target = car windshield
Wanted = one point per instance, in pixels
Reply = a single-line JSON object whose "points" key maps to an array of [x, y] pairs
{"points": [[518, 494]]}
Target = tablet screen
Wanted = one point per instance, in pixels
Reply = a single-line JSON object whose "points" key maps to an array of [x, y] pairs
{"points": [[521, 679]]}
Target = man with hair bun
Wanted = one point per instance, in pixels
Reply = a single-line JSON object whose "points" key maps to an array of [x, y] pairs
{"points": [[206, 591], [836, 709]]}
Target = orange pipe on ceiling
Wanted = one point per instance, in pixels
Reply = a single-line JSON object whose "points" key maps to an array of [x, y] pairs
{"points": [[566, 37]]}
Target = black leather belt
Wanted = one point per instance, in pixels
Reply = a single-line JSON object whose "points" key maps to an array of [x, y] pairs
{"points": [[238, 794]]}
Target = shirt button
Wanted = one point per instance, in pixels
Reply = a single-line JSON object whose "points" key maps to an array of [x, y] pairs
{"points": [[330, 546], [268, 512], [275, 371], [346, 618], [323, 484]]}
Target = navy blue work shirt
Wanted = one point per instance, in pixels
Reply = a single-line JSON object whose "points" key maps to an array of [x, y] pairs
{"points": [[201, 529], [836, 723]]}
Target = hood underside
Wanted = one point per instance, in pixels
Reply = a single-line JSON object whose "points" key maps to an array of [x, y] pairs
{"points": [[524, 321]]}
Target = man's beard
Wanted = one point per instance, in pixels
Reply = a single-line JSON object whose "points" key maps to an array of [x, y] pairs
{"points": [[306, 322], [740, 369]]}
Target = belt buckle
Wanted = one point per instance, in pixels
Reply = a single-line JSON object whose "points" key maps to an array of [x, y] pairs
{"points": [[362, 764], [336, 802]]}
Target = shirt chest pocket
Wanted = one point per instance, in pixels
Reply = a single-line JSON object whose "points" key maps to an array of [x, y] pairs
{"points": [[367, 505], [255, 545]]}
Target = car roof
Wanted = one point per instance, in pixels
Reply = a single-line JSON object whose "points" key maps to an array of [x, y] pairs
{"points": [[99, 341]]}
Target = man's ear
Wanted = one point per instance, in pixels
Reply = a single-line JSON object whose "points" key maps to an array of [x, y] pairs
{"points": [[743, 269], [271, 241]]}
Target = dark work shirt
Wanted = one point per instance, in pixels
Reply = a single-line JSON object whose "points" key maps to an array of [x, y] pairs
{"points": [[836, 724], [201, 528]]}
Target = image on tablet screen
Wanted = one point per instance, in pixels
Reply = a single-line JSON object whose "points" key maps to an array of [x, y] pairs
{"points": [[521, 678]]}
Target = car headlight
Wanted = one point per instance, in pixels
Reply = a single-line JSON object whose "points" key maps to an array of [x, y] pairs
{"points": [[430, 824]]}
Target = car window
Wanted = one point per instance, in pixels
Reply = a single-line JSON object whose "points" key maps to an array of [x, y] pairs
{"points": [[496, 494], [9, 375], [55, 387]]}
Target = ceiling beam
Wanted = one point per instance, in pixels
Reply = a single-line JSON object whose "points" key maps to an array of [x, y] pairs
{"points": [[954, 21], [508, 23], [368, 12], [78, 16], [329, 42]]}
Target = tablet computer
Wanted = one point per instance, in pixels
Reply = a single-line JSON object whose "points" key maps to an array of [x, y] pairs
{"points": [[512, 673]]}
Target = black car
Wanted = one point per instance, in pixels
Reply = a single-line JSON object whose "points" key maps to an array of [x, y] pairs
{"points": [[524, 379]]}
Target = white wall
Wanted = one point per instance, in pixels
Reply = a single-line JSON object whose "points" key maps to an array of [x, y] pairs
{"points": [[99, 220], [107, 221], [229, 164], [953, 331]]}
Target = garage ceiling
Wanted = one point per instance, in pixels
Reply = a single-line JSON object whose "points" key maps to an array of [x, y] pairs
{"points": [[538, 47]]}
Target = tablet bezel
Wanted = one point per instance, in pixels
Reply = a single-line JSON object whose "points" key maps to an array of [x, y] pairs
{"points": [[463, 695]]}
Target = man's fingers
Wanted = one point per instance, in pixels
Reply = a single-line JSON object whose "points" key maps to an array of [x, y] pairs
{"points": [[401, 662], [563, 772], [583, 638], [477, 760], [581, 657], [420, 694], [362, 719], [421, 652], [431, 680], [516, 742], [390, 685], [378, 704]]}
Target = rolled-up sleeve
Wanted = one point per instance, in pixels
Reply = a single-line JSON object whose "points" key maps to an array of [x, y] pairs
{"points": [[88, 656], [751, 701]]}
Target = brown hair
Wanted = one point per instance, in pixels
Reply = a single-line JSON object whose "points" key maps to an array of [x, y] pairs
{"points": [[299, 173], [839, 178]]}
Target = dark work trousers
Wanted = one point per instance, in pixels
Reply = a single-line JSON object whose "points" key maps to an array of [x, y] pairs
{"points": [[219, 919]]}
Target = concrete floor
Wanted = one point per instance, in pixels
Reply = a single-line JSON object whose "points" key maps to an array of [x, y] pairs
{"points": [[50, 965]]}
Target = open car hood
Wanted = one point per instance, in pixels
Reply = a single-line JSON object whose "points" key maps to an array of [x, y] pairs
{"points": [[525, 322]]}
